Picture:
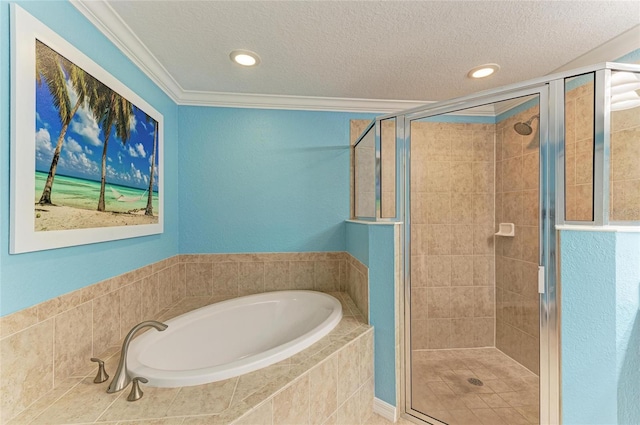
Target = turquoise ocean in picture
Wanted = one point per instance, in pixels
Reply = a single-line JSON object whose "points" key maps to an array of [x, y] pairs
{"points": [[81, 193]]}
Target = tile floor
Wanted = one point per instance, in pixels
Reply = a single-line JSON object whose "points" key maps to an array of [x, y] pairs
{"points": [[508, 396]]}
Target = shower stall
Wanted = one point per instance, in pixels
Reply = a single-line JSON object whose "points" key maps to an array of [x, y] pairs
{"points": [[482, 184]]}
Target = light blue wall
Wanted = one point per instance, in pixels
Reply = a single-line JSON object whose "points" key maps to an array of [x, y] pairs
{"points": [[254, 180], [600, 278], [28, 279], [628, 326], [378, 241]]}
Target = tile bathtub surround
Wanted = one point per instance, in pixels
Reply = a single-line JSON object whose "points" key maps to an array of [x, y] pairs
{"points": [[222, 276], [316, 386], [44, 345], [54, 340]]}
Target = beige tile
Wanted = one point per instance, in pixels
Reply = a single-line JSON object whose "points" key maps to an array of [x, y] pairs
{"points": [[27, 368], [276, 276], [483, 240], [323, 390], [438, 148], [530, 210], [438, 207], [512, 174], [438, 333], [483, 270], [291, 406], [225, 278], [483, 206], [178, 282], [419, 305], [349, 411], [302, 274], [461, 239], [419, 239], [68, 410], [439, 239], [438, 270], [438, 177], [348, 371], [73, 344], [419, 270], [165, 288], [250, 278], [366, 357], [511, 416], [531, 171], [493, 400], [483, 177], [462, 333], [489, 417], [419, 334], [106, 322], [154, 403], [130, 301], [365, 401], [199, 277], [461, 147], [59, 304], [327, 276], [47, 399], [483, 145], [150, 297], [261, 415], [439, 303], [462, 270], [204, 399], [18, 321], [462, 301], [512, 207], [484, 305], [462, 177], [461, 208]]}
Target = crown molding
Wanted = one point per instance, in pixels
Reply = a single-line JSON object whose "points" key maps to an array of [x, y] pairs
{"points": [[609, 51], [307, 103], [108, 22]]}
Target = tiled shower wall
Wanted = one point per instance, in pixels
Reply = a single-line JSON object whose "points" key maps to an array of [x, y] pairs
{"points": [[452, 242], [579, 116], [625, 165], [517, 197], [42, 346]]}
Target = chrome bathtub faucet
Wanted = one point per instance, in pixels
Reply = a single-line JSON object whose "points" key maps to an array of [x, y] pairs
{"points": [[122, 378]]}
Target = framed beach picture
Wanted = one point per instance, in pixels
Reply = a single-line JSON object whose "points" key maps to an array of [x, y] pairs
{"points": [[86, 150]]}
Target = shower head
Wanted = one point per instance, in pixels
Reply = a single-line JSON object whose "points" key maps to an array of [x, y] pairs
{"points": [[524, 128]]}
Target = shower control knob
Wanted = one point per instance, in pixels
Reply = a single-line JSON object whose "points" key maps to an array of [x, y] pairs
{"points": [[102, 373], [136, 392]]}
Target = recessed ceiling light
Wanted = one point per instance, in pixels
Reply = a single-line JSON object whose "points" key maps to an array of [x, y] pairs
{"points": [[483, 70], [244, 57]]}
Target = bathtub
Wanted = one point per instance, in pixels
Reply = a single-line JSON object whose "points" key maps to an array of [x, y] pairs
{"points": [[233, 337]]}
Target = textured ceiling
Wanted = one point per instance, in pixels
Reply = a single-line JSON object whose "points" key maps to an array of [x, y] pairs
{"points": [[418, 50]]}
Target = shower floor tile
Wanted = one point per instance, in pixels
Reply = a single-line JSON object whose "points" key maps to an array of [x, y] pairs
{"points": [[443, 387]]}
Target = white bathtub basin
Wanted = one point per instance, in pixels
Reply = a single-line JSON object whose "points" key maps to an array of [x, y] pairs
{"points": [[232, 337]]}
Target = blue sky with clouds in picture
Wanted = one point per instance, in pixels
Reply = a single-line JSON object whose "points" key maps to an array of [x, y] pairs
{"points": [[127, 164]]}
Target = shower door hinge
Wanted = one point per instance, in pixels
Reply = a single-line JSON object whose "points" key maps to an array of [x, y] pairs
{"points": [[541, 279]]}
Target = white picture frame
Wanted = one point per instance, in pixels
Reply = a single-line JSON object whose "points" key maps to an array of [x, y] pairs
{"points": [[35, 227]]}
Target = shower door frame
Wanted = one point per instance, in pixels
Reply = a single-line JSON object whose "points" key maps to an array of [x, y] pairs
{"points": [[551, 133]]}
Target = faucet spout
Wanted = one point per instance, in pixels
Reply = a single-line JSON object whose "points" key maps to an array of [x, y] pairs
{"points": [[122, 378]]}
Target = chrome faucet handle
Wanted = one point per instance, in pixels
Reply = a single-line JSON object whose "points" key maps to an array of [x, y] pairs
{"points": [[136, 392], [102, 373]]}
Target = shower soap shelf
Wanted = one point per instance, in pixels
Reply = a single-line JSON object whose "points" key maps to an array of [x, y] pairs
{"points": [[506, 229]]}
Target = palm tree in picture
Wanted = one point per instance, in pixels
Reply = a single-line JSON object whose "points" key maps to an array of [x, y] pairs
{"points": [[110, 110], [51, 67], [149, 209]]}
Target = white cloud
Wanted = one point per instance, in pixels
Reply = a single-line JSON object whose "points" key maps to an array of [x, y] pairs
{"points": [[120, 157], [73, 146], [140, 149], [89, 151], [44, 148], [132, 152], [135, 173], [80, 162], [109, 159], [132, 123], [146, 179], [85, 125]]}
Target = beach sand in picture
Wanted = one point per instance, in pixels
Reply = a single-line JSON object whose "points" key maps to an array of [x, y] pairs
{"points": [[53, 217]]}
